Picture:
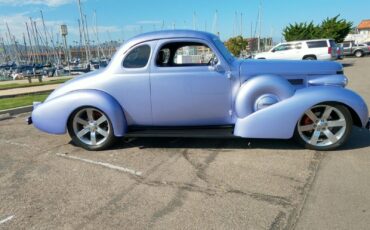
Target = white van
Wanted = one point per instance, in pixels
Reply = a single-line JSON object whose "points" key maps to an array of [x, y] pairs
{"points": [[320, 49]]}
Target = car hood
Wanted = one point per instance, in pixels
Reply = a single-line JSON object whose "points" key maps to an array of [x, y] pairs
{"points": [[250, 68]]}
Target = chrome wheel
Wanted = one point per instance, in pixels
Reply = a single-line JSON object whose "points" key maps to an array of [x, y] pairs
{"points": [[91, 127], [324, 126]]}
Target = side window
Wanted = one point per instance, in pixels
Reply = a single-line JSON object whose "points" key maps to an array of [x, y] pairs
{"points": [[185, 54], [346, 45], [137, 58], [283, 47], [317, 44], [298, 46]]}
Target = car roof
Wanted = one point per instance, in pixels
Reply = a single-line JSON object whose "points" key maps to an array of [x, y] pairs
{"points": [[166, 34], [312, 40]]}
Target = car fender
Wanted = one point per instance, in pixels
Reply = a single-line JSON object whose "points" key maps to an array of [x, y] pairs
{"points": [[279, 120], [52, 116], [258, 86]]}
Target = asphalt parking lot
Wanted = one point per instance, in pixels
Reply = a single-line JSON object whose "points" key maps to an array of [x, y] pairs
{"points": [[173, 183]]}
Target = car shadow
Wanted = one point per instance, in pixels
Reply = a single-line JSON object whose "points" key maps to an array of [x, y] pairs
{"points": [[360, 138], [347, 64]]}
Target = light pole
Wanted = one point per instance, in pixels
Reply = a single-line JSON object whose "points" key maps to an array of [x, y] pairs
{"points": [[64, 32]]}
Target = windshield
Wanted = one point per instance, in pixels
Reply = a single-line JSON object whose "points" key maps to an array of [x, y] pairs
{"points": [[225, 52]]}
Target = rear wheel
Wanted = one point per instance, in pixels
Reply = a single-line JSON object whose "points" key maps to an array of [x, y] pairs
{"points": [[324, 127], [359, 53], [91, 129]]}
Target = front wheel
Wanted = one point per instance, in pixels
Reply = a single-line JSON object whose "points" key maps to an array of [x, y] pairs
{"points": [[91, 129], [324, 127]]}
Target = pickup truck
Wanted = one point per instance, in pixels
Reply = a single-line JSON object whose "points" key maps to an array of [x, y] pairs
{"points": [[357, 50]]}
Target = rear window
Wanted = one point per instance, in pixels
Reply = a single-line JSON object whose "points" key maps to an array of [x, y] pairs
{"points": [[317, 44], [332, 43], [138, 57]]}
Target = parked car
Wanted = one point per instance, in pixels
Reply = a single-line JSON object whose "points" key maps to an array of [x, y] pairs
{"points": [[357, 50], [322, 49], [186, 83]]}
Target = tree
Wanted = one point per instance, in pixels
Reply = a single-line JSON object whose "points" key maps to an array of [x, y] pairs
{"points": [[329, 28], [335, 29], [236, 45], [301, 31]]}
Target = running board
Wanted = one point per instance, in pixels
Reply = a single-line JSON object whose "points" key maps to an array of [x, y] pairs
{"points": [[207, 132]]}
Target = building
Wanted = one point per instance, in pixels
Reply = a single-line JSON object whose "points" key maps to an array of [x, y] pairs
{"points": [[363, 33]]}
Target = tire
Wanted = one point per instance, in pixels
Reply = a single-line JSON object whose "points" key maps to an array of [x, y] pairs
{"points": [[324, 127], [91, 129], [359, 53], [310, 58]]}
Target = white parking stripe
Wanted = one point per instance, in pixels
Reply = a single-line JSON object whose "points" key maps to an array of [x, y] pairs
{"points": [[119, 168], [6, 219]]}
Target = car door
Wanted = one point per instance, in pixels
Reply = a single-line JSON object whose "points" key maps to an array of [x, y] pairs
{"points": [[346, 48], [185, 89], [281, 52], [130, 84]]}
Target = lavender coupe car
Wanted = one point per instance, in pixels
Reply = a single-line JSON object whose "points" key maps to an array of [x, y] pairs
{"points": [[185, 83]]}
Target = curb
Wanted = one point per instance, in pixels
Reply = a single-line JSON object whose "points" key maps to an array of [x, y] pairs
{"points": [[25, 94], [4, 114]]}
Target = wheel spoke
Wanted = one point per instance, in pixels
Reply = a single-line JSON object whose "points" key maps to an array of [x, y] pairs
{"points": [[306, 128], [327, 112], [315, 137], [330, 136], [101, 120], [83, 132], [93, 138], [102, 132], [311, 115], [81, 121], [90, 114], [337, 123]]}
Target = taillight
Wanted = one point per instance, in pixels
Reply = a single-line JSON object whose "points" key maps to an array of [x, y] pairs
{"points": [[329, 50], [368, 48]]}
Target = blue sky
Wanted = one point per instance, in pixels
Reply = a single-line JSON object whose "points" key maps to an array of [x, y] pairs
{"points": [[123, 19]]}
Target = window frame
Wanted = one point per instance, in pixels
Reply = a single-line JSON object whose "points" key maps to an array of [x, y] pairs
{"points": [[128, 52], [165, 42]]}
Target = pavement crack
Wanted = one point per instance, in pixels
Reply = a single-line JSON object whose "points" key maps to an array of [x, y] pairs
{"points": [[278, 222], [314, 168]]}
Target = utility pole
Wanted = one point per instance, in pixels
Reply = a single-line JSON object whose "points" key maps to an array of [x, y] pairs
{"points": [[64, 32]]}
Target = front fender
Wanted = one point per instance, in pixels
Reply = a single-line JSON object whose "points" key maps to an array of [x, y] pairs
{"points": [[279, 120], [52, 116], [258, 86]]}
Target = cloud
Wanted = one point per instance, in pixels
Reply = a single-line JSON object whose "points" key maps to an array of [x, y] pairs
{"points": [[17, 26], [51, 3], [151, 22]]}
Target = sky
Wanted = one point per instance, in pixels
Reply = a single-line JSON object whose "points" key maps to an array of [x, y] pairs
{"points": [[122, 19]]}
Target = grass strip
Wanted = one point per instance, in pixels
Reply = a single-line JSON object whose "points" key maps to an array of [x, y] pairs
{"points": [[14, 102], [25, 85]]}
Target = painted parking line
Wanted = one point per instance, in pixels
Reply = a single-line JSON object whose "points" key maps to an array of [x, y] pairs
{"points": [[6, 219], [107, 165]]}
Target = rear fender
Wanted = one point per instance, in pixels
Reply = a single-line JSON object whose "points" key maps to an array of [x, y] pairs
{"points": [[279, 120], [52, 116]]}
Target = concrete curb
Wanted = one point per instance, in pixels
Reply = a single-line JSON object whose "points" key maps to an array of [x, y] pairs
{"points": [[10, 112], [25, 94]]}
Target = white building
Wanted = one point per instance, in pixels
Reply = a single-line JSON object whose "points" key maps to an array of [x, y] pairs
{"points": [[363, 34]]}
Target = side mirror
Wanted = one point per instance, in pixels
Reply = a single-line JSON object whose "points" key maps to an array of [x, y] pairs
{"points": [[216, 68], [273, 51]]}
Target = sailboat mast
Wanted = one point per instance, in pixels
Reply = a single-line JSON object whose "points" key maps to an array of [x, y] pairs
{"points": [[83, 29]]}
